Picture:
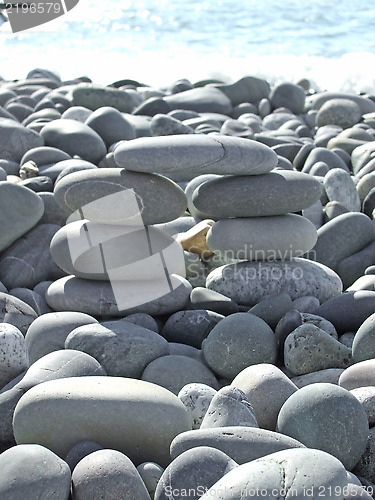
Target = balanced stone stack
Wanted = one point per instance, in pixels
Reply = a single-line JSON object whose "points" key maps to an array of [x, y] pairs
{"points": [[116, 263]]}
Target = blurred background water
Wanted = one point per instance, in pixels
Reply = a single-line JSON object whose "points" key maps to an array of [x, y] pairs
{"points": [[159, 41]]}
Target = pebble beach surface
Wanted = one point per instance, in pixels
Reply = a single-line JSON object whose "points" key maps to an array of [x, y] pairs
{"points": [[187, 290]]}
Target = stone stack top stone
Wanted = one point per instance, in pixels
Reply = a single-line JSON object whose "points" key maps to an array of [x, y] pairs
{"points": [[183, 157]]}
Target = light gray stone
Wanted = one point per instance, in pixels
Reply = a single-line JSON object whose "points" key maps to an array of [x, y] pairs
{"points": [[150, 473], [31, 298], [342, 112], [339, 186], [366, 396], [202, 100], [168, 125], [16, 312], [361, 374], [290, 95], [366, 465], [14, 358], [196, 399]]}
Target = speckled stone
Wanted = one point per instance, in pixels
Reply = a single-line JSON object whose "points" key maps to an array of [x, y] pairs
{"points": [[196, 399], [16, 312], [316, 416], [339, 186], [186, 156], [143, 418], [13, 353], [249, 282]]}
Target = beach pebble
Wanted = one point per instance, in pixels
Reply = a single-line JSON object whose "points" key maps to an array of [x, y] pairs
{"points": [[368, 204], [107, 473], [321, 154], [205, 464], [174, 372], [150, 473], [13, 353], [66, 167], [135, 417], [276, 193], [202, 298], [339, 186], [237, 129], [242, 444], [16, 139], [320, 322], [121, 347], [290, 95], [23, 208], [79, 113], [349, 310], [364, 339], [202, 100], [267, 388], [31, 298], [347, 339], [183, 157], [314, 214], [32, 471], [341, 237], [316, 416], [144, 320], [196, 398], [229, 407], [319, 168], [28, 260], [334, 209], [306, 304], [342, 112], [190, 327], [16, 312], [111, 196], [249, 282], [361, 156], [308, 349], [38, 184], [79, 451], [110, 125], [168, 125], [246, 89], [238, 341], [53, 213], [74, 138], [366, 396], [93, 96], [190, 189], [316, 100], [44, 155], [366, 282], [360, 374], [273, 308], [102, 298], [329, 376], [285, 473]]}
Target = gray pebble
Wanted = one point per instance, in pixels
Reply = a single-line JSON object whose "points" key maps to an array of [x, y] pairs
{"points": [[366, 396], [329, 376], [360, 374], [150, 473], [196, 399]]}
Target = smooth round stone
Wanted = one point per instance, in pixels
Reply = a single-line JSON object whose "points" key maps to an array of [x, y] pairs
{"points": [[202, 298], [237, 129], [360, 374], [79, 113], [190, 327], [135, 417], [298, 473], [329, 376], [242, 444], [272, 309], [110, 125], [316, 415], [315, 101], [267, 388], [202, 100], [53, 213], [118, 298], [38, 184], [79, 451], [368, 204], [174, 372], [364, 340], [276, 193], [349, 310], [150, 473], [229, 407], [186, 156], [93, 96], [180, 225], [363, 283], [205, 465], [90, 250], [13, 353], [319, 168], [339, 186], [44, 155], [144, 320], [290, 95], [16, 312], [196, 398], [361, 156], [309, 348], [33, 299], [306, 304], [271, 238], [341, 237], [66, 167], [334, 209], [238, 341], [185, 350], [342, 112], [366, 465], [48, 332], [366, 396], [249, 282], [152, 106], [33, 472], [16, 139], [314, 214], [23, 208], [168, 125], [117, 196], [28, 261], [74, 138], [190, 190], [347, 339], [121, 347], [321, 154], [107, 473], [274, 121]]}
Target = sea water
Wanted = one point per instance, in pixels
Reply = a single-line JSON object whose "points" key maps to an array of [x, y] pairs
{"points": [[159, 41]]}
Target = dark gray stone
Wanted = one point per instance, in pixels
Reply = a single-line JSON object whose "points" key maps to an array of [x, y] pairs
{"points": [[144, 320], [329, 376], [205, 466], [111, 125], [368, 204], [28, 261], [53, 213], [167, 125], [32, 471], [16, 139], [33, 299], [246, 89], [202, 298], [44, 155], [272, 309], [238, 341], [38, 184], [121, 347], [316, 415], [276, 193]]}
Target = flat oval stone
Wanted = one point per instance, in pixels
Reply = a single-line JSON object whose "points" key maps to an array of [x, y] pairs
{"points": [[242, 444], [330, 376], [316, 415], [135, 417], [16, 139], [74, 138], [202, 100], [122, 348], [360, 374], [249, 282], [44, 155], [116, 196], [29, 471], [90, 250], [276, 193], [278, 237], [93, 96], [272, 309], [118, 298], [186, 156], [24, 209]]}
